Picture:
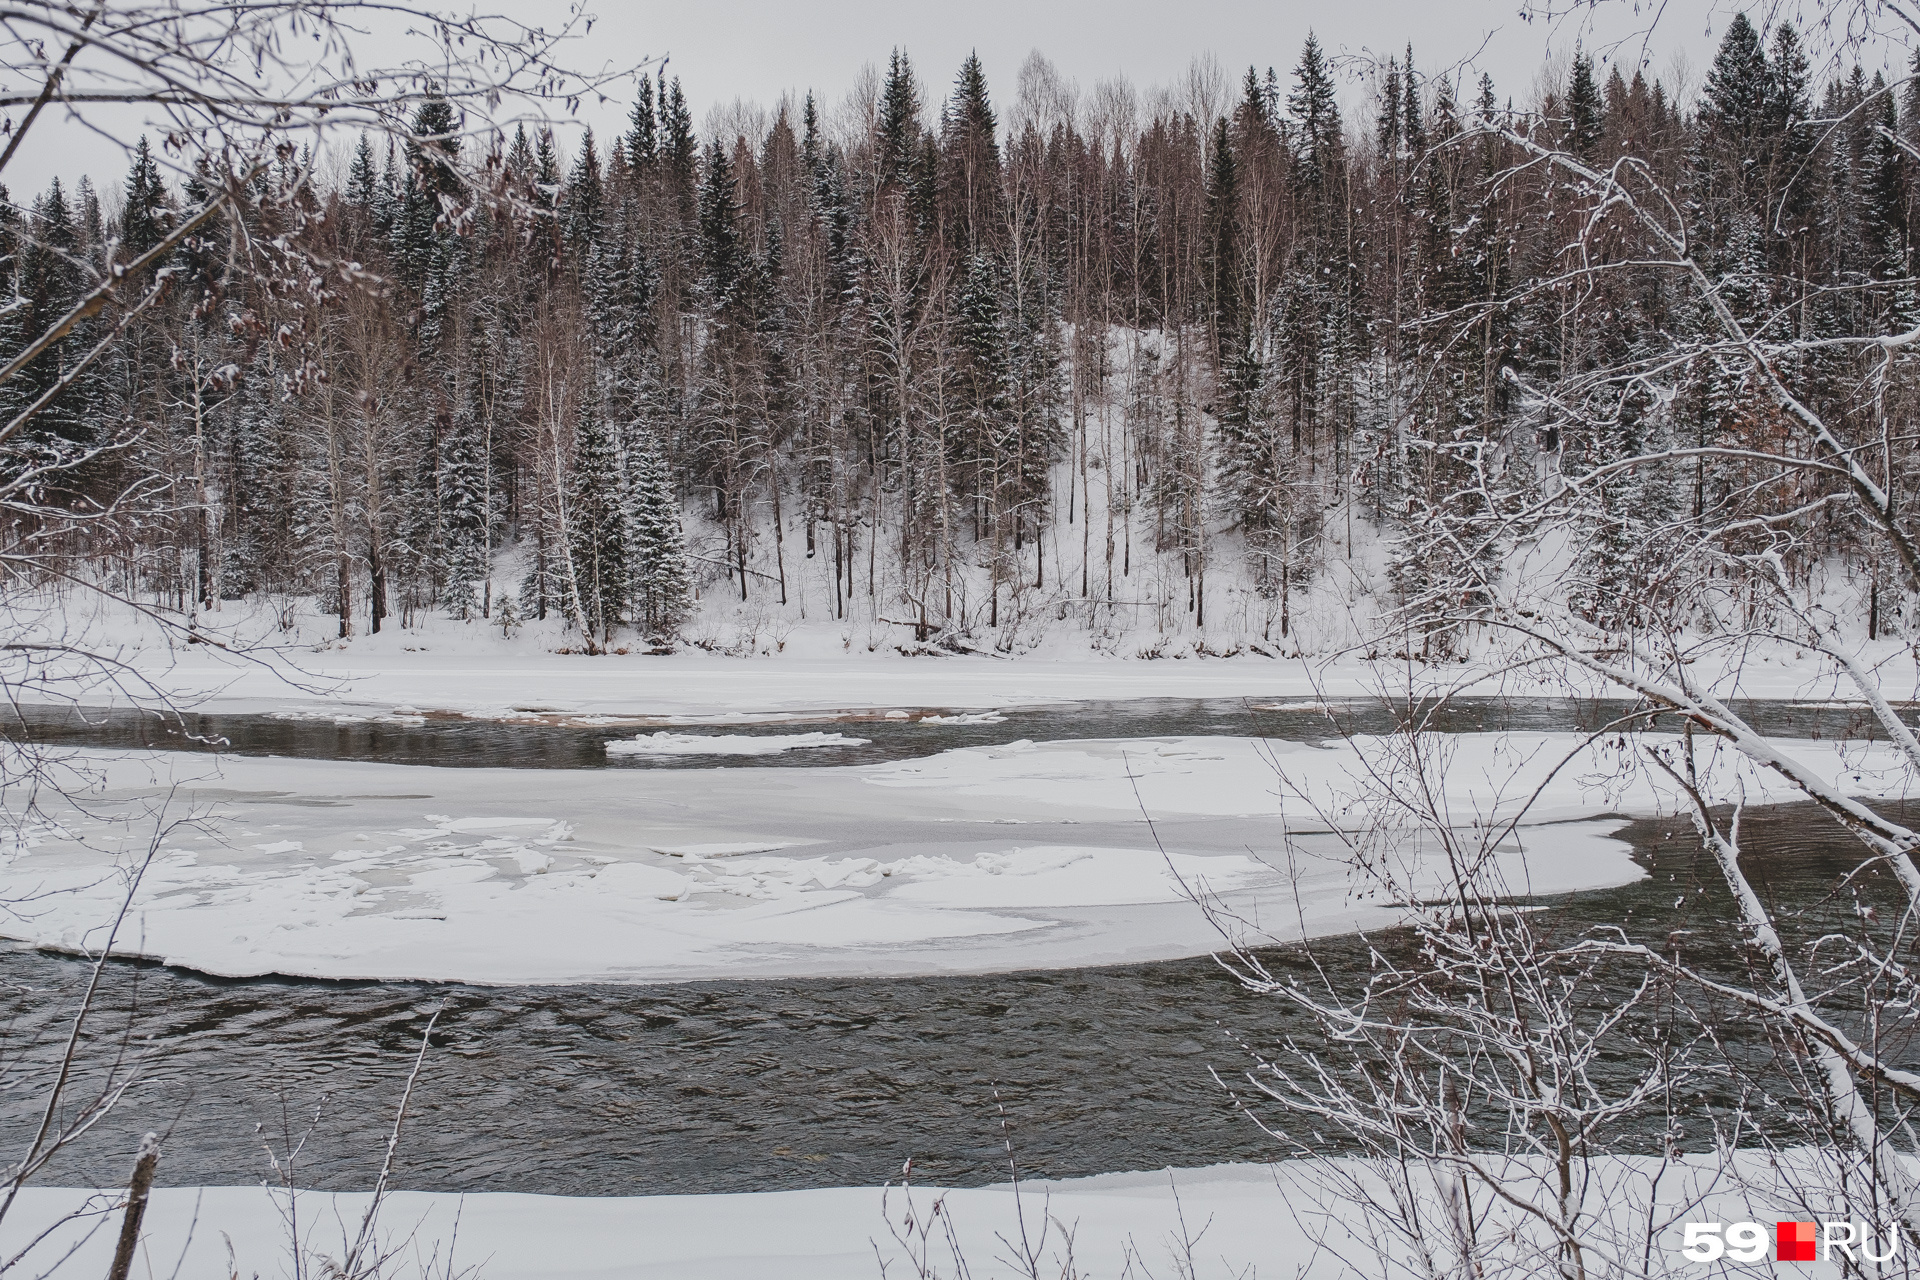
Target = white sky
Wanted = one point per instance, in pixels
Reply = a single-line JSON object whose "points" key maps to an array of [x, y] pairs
{"points": [[757, 50]]}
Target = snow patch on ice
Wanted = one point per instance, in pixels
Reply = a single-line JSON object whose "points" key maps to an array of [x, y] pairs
{"points": [[664, 743], [1069, 876], [724, 849]]}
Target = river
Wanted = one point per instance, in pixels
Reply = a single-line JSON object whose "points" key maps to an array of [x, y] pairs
{"points": [[766, 1084]]}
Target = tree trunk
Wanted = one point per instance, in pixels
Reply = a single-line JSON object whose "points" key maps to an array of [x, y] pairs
{"points": [[137, 1189]]}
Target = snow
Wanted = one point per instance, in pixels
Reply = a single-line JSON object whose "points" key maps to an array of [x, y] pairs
{"points": [[724, 849], [1032, 855], [727, 744], [826, 1234], [1243, 1220], [447, 667], [1479, 778]]}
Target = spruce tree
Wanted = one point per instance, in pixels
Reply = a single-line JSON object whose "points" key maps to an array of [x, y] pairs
{"points": [[1221, 265], [1793, 180], [970, 161], [465, 523], [363, 182], [1738, 101], [897, 133], [722, 258], [546, 171], [143, 222], [643, 132], [680, 152], [583, 208], [1885, 194], [1739, 95], [597, 525], [981, 346], [1316, 121], [1586, 117], [661, 592], [1387, 137]]}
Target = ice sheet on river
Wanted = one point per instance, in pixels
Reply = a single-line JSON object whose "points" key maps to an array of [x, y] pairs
{"points": [[976, 860]]}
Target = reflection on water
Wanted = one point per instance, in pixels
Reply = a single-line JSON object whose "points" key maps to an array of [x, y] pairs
{"points": [[736, 1086]]}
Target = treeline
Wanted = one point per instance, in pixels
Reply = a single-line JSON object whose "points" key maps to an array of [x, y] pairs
{"points": [[952, 375]]}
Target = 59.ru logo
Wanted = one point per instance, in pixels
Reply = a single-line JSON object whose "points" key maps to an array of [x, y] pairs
{"points": [[1792, 1242]]}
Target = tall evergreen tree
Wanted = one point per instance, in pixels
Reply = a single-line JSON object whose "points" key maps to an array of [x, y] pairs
{"points": [[723, 259], [1586, 115], [1224, 280], [145, 216], [583, 207], [465, 522], [643, 132], [970, 161], [1317, 140], [680, 151], [897, 133], [597, 522], [1885, 203], [661, 592]]}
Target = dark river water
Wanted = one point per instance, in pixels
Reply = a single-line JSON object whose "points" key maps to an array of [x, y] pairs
{"points": [[738, 1086], [761, 1085], [460, 742]]}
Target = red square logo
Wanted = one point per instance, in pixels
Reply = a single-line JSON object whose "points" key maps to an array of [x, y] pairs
{"points": [[1793, 1241]]}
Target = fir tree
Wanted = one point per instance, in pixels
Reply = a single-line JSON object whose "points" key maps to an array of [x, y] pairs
{"points": [[144, 220], [432, 181], [598, 526], [970, 160], [1387, 135], [1222, 264], [51, 282], [661, 592], [386, 208], [680, 152], [1885, 194], [643, 132], [722, 259], [1739, 94], [1412, 118], [981, 345], [546, 171], [583, 209], [1586, 118], [897, 133], [1316, 119], [465, 522]]}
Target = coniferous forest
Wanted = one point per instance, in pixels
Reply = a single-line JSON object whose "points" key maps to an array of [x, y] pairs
{"points": [[1526, 897], [961, 362]]}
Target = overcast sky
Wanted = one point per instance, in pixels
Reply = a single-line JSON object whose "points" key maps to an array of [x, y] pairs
{"points": [[758, 49]]}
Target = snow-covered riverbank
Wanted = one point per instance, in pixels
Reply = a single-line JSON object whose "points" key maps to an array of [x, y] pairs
{"points": [[1227, 1222], [254, 665], [830, 1234]]}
